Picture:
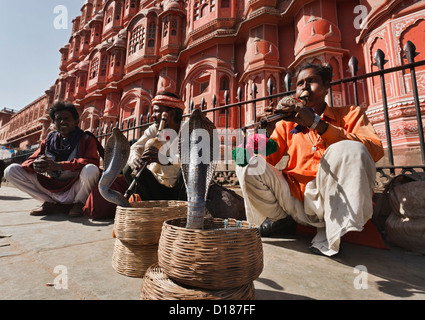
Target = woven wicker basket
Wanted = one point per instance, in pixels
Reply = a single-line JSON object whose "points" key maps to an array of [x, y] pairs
{"points": [[213, 258], [157, 286], [133, 260], [142, 223]]}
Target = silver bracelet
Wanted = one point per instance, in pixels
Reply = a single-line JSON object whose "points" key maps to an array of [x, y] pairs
{"points": [[315, 122]]}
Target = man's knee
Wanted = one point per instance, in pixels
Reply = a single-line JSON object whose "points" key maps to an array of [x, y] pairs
{"points": [[351, 157], [90, 171], [259, 174], [349, 146], [256, 168], [10, 171], [348, 149]]}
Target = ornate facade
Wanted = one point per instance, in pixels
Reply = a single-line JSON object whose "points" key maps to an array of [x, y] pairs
{"points": [[390, 26], [119, 50]]}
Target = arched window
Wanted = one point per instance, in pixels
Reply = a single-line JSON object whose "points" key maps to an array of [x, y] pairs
{"points": [[72, 87], [173, 27], [108, 16], [165, 27], [104, 65], [137, 40], [152, 34], [94, 68], [224, 83], [202, 8], [118, 11]]}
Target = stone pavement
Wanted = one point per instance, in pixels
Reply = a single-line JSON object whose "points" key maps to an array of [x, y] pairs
{"points": [[41, 249]]}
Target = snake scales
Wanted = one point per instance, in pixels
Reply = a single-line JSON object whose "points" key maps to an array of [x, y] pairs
{"points": [[117, 150], [196, 148], [197, 144]]}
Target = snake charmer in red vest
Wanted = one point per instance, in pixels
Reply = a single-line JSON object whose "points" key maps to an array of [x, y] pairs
{"points": [[63, 170]]}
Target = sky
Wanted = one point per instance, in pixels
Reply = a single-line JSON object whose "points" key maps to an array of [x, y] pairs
{"points": [[29, 47]]}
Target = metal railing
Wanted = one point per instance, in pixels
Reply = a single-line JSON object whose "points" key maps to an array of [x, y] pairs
{"points": [[243, 105], [134, 131]]}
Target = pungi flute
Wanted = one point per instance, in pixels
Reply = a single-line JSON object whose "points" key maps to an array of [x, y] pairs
{"points": [[153, 142], [303, 99]]}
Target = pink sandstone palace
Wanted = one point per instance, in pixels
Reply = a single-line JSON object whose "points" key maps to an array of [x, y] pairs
{"points": [[119, 50]]}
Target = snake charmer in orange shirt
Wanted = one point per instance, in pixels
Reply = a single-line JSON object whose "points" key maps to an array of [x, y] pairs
{"points": [[345, 123], [329, 178]]}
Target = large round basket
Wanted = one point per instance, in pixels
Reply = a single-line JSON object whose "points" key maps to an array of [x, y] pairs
{"points": [[157, 286], [133, 260], [225, 254], [142, 223]]}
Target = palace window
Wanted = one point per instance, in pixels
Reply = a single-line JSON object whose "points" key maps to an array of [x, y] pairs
{"points": [[201, 84], [132, 4], [118, 55], [165, 27], [137, 40], [173, 27], [104, 65], [202, 8], [94, 68], [118, 11], [204, 87], [224, 83], [112, 60], [72, 86], [152, 34], [108, 16]]}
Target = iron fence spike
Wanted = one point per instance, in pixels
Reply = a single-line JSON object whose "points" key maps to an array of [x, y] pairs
{"points": [[288, 81], [353, 65]]}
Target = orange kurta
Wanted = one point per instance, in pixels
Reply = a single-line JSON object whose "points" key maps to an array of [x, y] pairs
{"points": [[345, 123]]}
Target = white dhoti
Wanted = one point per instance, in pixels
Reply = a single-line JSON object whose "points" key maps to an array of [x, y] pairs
{"points": [[28, 182], [337, 201]]}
